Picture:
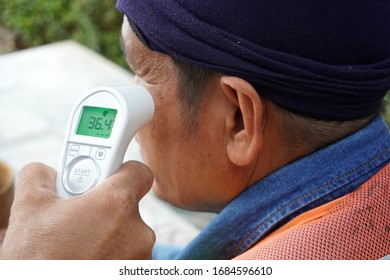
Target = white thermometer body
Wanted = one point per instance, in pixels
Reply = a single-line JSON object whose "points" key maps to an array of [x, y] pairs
{"points": [[101, 126]]}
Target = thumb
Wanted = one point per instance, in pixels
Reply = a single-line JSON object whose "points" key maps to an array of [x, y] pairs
{"points": [[133, 181]]}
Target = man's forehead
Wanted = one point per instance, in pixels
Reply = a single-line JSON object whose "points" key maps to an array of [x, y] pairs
{"points": [[153, 66], [132, 47]]}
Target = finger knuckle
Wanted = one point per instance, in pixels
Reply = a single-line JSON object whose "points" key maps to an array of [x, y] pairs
{"points": [[31, 167]]}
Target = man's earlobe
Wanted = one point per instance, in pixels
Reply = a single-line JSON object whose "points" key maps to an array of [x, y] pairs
{"points": [[244, 120]]}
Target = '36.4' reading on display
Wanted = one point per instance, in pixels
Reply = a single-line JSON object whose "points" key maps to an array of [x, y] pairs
{"points": [[96, 122]]}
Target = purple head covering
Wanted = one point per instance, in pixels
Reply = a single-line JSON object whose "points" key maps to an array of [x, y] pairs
{"points": [[326, 59]]}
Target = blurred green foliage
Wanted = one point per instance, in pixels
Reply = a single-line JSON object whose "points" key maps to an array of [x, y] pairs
{"points": [[94, 23]]}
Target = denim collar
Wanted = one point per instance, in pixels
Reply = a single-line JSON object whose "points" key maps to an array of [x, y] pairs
{"points": [[299, 186]]}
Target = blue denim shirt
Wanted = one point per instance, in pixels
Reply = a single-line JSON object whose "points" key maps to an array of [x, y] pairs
{"points": [[302, 185]]}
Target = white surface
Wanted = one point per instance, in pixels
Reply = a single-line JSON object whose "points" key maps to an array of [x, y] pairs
{"points": [[37, 90]]}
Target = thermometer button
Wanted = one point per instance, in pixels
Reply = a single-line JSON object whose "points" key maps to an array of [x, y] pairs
{"points": [[81, 174]]}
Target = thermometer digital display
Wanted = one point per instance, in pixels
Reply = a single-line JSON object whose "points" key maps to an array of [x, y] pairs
{"points": [[100, 128], [96, 122]]}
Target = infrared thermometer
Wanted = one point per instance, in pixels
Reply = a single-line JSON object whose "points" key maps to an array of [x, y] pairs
{"points": [[100, 128]]}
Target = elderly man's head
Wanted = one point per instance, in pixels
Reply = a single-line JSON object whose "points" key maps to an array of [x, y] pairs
{"points": [[235, 100]]}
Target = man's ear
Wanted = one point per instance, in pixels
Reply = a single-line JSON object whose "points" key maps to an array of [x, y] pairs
{"points": [[244, 120]]}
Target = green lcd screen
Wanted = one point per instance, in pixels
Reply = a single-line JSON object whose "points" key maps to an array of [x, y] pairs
{"points": [[96, 122]]}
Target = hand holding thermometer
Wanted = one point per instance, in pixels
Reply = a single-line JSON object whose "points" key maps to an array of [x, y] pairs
{"points": [[100, 128]]}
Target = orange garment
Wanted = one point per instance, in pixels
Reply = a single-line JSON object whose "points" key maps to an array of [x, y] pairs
{"points": [[355, 226]]}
